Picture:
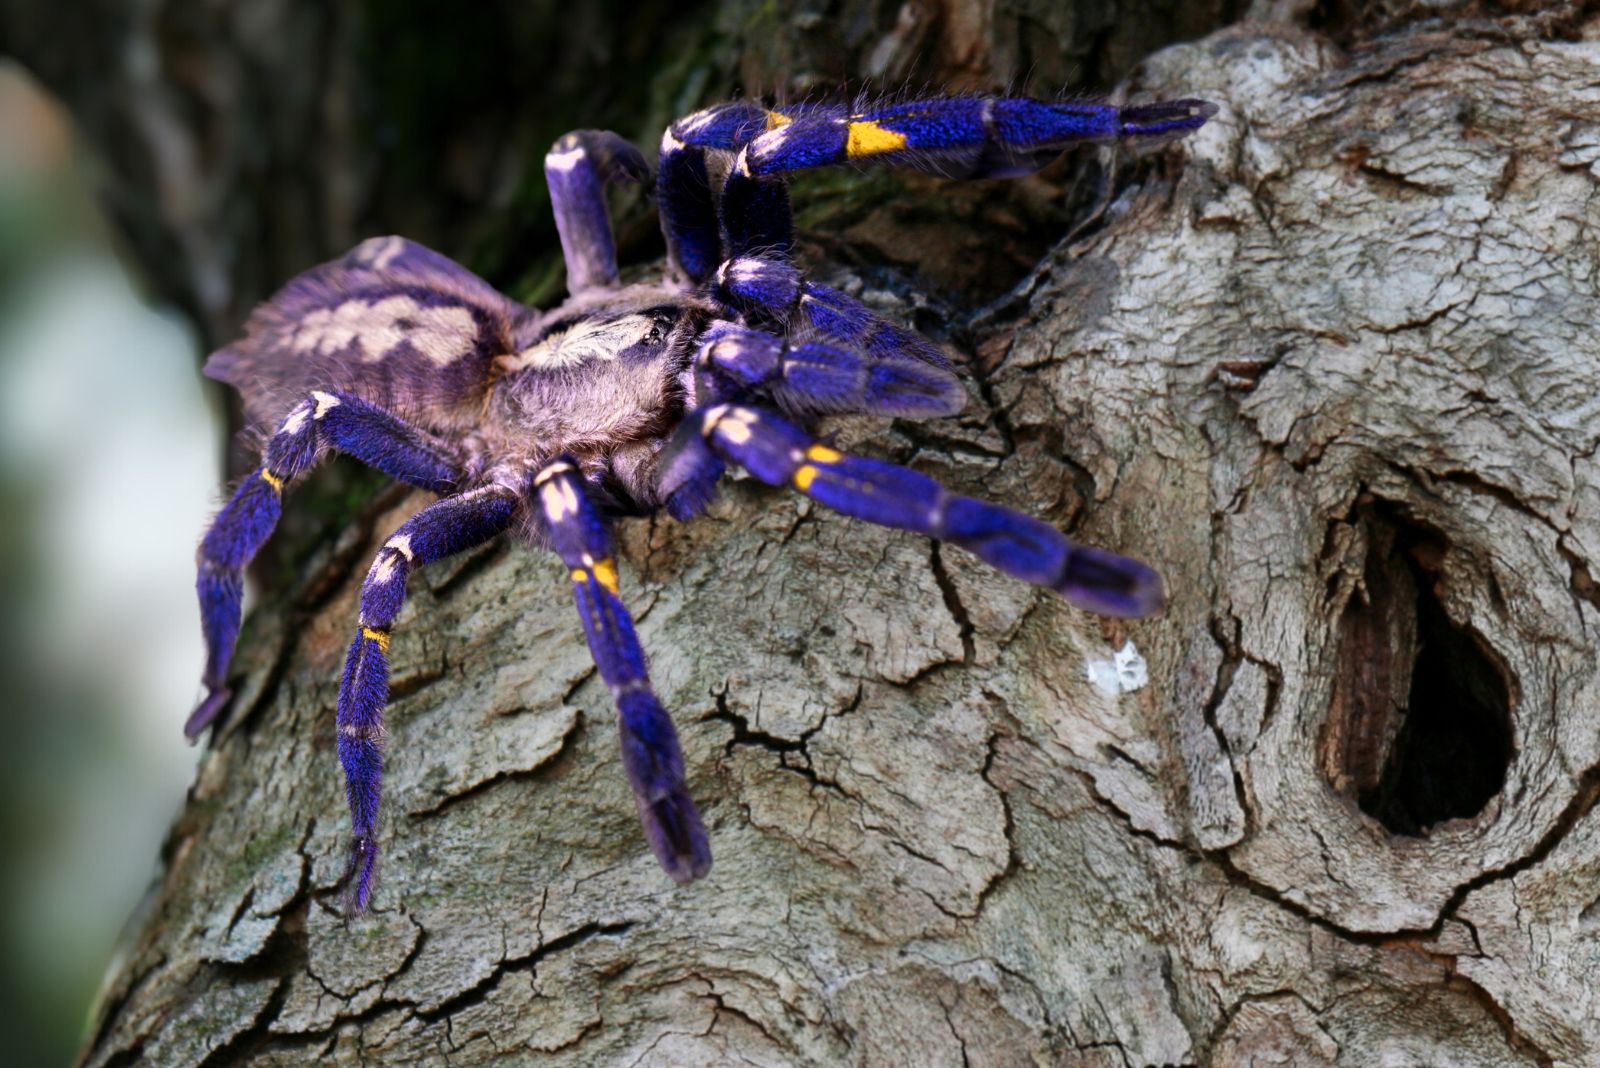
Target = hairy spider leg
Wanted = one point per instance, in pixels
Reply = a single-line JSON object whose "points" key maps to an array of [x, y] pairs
{"points": [[771, 291], [684, 197], [323, 420], [779, 453], [442, 529], [650, 751], [577, 169], [814, 378], [954, 136], [755, 213], [959, 136]]}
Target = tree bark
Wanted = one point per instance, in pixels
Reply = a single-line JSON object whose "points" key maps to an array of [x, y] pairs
{"points": [[1330, 364]]}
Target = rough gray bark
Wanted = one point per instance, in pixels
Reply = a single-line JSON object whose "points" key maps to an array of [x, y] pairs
{"points": [[1331, 365]]}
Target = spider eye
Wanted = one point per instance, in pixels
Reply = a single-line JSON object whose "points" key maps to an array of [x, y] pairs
{"points": [[663, 322], [661, 326]]}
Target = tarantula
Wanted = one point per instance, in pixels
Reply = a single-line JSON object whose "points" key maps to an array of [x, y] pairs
{"points": [[629, 398]]}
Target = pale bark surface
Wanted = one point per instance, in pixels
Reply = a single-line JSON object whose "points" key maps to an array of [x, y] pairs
{"points": [[1331, 365]]}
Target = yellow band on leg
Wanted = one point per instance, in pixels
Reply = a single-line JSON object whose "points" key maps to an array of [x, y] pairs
{"points": [[823, 455], [272, 480], [603, 572], [867, 138], [379, 636]]}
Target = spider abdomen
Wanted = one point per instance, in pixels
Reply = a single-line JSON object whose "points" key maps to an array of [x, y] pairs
{"points": [[391, 322]]}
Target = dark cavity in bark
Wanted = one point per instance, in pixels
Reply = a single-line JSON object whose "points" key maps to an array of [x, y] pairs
{"points": [[1419, 728]]}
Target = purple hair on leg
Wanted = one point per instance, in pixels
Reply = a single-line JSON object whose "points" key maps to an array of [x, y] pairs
{"points": [[442, 529], [654, 762], [813, 378], [756, 217], [778, 452], [362, 697], [766, 288], [324, 420], [578, 168], [689, 473], [754, 213], [238, 531]]}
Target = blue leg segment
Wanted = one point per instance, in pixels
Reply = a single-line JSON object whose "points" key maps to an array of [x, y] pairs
{"points": [[322, 421], [780, 453], [769, 290], [814, 378], [958, 137], [443, 529], [688, 212], [688, 472], [650, 752], [756, 217], [961, 137], [684, 193], [577, 169]]}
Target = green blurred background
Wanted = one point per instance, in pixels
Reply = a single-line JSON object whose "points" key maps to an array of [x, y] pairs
{"points": [[109, 463]]}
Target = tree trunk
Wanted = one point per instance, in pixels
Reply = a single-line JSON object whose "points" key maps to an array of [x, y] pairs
{"points": [[1330, 364]]}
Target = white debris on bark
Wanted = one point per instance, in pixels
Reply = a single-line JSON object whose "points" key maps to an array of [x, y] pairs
{"points": [[1332, 365]]}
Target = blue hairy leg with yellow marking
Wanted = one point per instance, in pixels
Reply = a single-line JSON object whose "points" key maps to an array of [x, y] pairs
{"points": [[443, 529], [322, 421], [650, 751], [959, 137], [953, 136], [778, 452]]}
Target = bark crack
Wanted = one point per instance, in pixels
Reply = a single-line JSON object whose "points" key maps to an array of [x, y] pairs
{"points": [[529, 962], [1514, 1035], [952, 600], [1013, 854], [1229, 643], [539, 771]]}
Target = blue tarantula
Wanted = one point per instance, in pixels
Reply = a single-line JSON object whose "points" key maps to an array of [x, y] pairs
{"points": [[629, 398]]}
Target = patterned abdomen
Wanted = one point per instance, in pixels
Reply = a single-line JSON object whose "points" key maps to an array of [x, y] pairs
{"points": [[391, 321]]}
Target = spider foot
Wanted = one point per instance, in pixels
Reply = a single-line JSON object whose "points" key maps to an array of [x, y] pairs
{"points": [[205, 713], [360, 873], [654, 764], [1169, 118]]}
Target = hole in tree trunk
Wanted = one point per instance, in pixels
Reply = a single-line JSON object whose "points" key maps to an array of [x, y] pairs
{"points": [[1419, 728]]}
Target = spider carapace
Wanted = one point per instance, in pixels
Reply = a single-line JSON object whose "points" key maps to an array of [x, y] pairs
{"points": [[629, 398]]}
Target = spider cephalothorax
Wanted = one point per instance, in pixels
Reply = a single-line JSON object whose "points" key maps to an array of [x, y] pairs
{"points": [[628, 399]]}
